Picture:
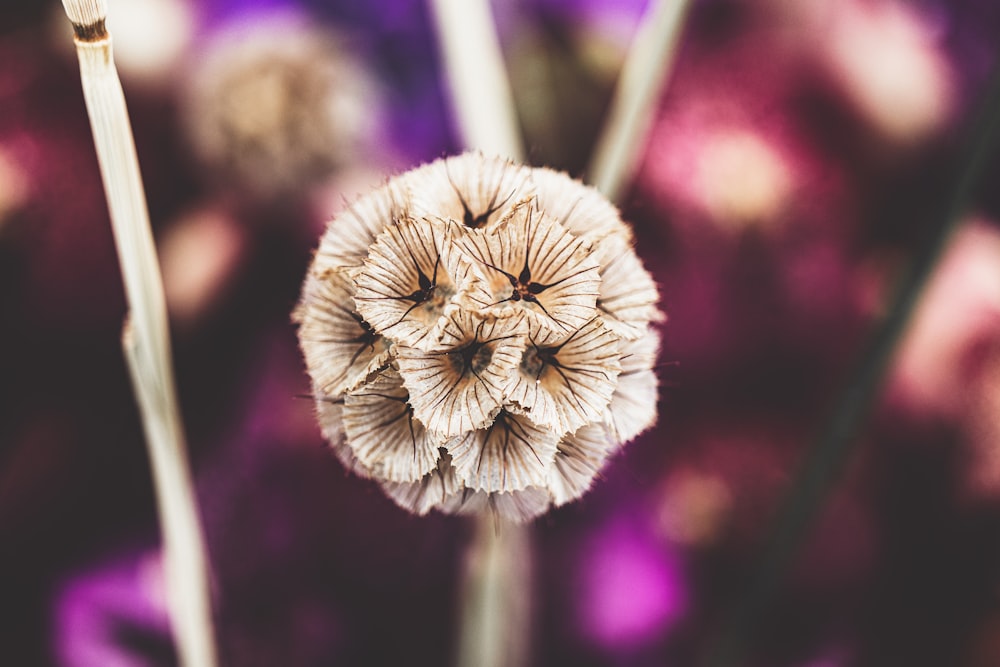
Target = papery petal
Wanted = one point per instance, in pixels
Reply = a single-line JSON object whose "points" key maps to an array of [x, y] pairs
{"points": [[455, 390], [351, 233], [330, 414], [510, 454], [411, 281], [579, 458], [530, 263], [340, 349], [627, 296], [581, 209], [434, 490], [576, 376], [471, 189], [383, 434], [633, 406], [515, 506], [641, 353]]}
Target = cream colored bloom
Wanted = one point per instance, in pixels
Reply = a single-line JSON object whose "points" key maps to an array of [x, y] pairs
{"points": [[480, 337], [531, 264], [384, 436], [459, 388], [579, 457], [471, 189], [565, 382], [409, 284]]}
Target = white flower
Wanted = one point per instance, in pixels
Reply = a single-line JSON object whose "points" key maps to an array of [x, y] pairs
{"points": [[530, 263], [565, 382], [384, 436], [459, 388], [471, 189], [479, 337], [409, 284]]}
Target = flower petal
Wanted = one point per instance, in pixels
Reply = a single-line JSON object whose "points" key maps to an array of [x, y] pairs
{"points": [[567, 384], [509, 455], [433, 490], [471, 189], [579, 458], [627, 296], [458, 389], [383, 434], [349, 235], [581, 209], [330, 415], [411, 280], [633, 406], [340, 348], [530, 263], [515, 506]]}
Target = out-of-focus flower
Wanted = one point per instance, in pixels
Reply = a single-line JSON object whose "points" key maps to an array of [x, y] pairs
{"points": [[480, 334], [277, 104], [631, 588], [721, 168], [115, 614], [884, 57], [150, 38], [938, 367], [199, 254], [14, 188], [727, 146], [693, 507], [741, 178], [984, 425]]}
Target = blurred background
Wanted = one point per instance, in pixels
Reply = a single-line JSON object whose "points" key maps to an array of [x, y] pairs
{"points": [[799, 153]]}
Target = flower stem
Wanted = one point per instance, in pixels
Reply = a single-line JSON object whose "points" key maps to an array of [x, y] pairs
{"points": [[642, 80], [477, 77], [495, 608], [826, 458], [145, 338]]}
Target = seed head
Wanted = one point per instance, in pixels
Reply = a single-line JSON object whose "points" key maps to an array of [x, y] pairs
{"points": [[480, 336]]}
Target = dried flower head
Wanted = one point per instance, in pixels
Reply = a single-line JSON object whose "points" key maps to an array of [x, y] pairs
{"points": [[480, 337], [275, 103]]}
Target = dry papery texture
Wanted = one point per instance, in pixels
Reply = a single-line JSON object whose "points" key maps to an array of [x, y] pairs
{"points": [[480, 337]]}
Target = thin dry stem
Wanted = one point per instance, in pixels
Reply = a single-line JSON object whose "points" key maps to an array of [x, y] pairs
{"points": [[480, 90], [642, 80], [146, 342], [86, 12]]}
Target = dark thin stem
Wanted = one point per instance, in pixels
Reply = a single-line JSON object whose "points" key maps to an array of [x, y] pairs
{"points": [[827, 457]]}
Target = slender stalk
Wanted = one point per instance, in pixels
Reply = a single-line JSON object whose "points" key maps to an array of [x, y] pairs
{"points": [[828, 455], [640, 84], [480, 90], [145, 338], [496, 602]]}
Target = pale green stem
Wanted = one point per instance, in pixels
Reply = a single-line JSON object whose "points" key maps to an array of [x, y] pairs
{"points": [[145, 338], [496, 601], [640, 84], [477, 77]]}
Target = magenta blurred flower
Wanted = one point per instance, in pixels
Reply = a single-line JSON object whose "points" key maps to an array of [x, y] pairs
{"points": [[939, 358], [114, 615], [885, 58], [631, 588]]}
